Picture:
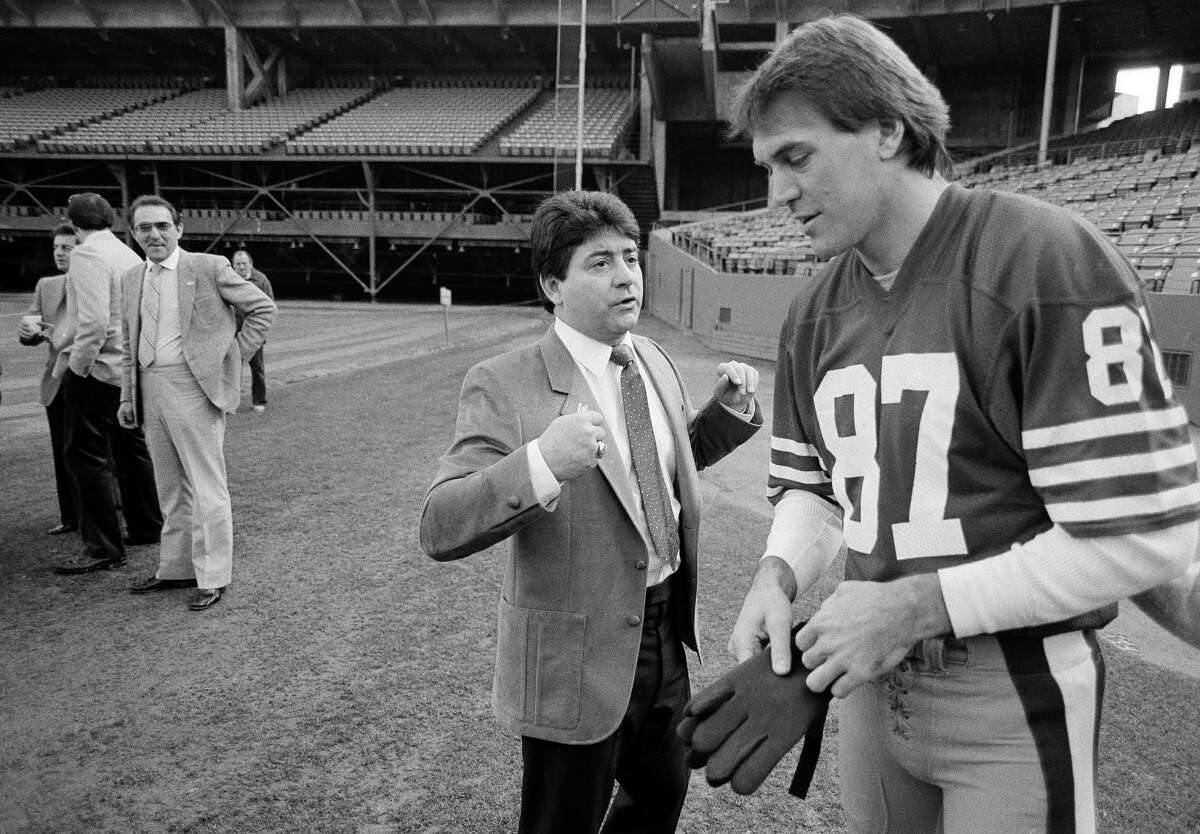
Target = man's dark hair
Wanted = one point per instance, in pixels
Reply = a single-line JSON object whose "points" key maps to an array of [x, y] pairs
{"points": [[153, 200], [566, 220], [242, 251], [63, 229], [852, 74], [90, 212]]}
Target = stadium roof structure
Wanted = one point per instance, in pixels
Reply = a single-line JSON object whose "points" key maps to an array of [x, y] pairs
{"points": [[677, 59]]}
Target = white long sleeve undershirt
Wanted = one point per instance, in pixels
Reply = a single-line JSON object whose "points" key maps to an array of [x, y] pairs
{"points": [[1051, 577]]}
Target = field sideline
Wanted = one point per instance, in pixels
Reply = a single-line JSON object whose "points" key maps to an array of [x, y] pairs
{"points": [[343, 683]]}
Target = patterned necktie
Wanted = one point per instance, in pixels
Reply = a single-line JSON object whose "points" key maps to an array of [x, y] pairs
{"points": [[656, 502], [150, 298]]}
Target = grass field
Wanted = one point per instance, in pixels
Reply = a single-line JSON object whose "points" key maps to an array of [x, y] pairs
{"points": [[343, 683]]}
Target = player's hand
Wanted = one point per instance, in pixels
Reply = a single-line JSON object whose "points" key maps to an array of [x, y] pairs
{"points": [[766, 616], [570, 442], [865, 628], [125, 416], [736, 384], [28, 332]]}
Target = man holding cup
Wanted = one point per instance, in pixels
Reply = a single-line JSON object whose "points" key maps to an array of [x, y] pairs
{"points": [[47, 312]]}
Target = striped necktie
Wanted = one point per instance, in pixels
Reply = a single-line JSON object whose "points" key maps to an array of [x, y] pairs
{"points": [[656, 503], [151, 296]]}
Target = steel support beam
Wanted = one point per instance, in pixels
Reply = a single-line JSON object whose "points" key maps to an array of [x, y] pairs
{"points": [[193, 7], [1048, 89], [358, 12], [225, 12], [21, 9], [373, 273]]}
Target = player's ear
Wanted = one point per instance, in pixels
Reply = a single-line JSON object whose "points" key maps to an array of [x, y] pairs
{"points": [[891, 136], [552, 287]]}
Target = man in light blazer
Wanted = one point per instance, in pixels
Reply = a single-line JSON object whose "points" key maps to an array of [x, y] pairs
{"points": [[599, 597], [49, 307], [89, 365], [182, 373]]}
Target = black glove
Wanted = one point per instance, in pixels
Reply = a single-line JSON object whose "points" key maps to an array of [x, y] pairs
{"points": [[742, 725]]}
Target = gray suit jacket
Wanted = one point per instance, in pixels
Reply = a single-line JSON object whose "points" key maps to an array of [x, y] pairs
{"points": [[90, 339], [49, 302], [574, 587], [213, 347]]}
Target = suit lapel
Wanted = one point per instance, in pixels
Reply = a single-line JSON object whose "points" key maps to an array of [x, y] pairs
{"points": [[565, 378], [185, 286]]}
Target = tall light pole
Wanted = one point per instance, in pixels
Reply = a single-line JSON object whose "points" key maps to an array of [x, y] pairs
{"points": [[579, 103]]}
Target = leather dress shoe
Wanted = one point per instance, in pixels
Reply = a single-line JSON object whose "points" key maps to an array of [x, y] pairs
{"points": [[134, 541], [87, 564], [149, 586], [205, 598], [59, 529]]}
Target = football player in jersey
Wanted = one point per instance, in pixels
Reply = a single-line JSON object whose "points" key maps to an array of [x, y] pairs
{"points": [[970, 400]]}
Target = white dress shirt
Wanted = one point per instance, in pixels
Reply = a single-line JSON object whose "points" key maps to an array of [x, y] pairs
{"points": [[168, 344], [604, 379]]}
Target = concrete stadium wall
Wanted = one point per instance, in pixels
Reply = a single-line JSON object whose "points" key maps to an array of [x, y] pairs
{"points": [[689, 294]]}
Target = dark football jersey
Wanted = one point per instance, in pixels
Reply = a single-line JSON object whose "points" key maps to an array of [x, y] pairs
{"points": [[1007, 382]]}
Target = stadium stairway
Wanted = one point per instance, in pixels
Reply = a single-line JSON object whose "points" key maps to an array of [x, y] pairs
{"points": [[639, 191]]}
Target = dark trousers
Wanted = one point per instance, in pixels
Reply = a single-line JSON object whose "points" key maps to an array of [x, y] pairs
{"points": [[92, 431], [56, 416], [566, 788], [258, 379]]}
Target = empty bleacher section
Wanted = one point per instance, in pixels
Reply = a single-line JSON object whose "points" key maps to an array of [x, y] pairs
{"points": [[1149, 205], [31, 116], [1170, 130], [421, 120], [551, 128], [133, 132], [756, 241], [258, 128]]}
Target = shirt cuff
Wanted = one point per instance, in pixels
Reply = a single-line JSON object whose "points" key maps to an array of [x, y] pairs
{"points": [[545, 486], [746, 415], [806, 532]]}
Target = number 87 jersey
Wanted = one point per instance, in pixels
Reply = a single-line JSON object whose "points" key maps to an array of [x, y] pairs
{"points": [[1007, 382]]}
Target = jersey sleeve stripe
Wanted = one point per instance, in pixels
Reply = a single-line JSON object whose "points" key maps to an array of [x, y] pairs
{"points": [[778, 471], [1113, 467], [1107, 509], [1134, 423], [793, 447]]}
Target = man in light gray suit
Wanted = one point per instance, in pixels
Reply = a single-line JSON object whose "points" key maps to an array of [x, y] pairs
{"points": [[584, 449], [182, 374], [89, 366], [47, 312]]}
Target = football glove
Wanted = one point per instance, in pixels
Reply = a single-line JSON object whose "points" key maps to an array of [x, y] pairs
{"points": [[741, 726]]}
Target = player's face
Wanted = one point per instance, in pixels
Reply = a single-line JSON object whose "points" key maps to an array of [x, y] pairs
{"points": [[241, 264], [834, 182], [601, 294], [63, 244], [155, 232]]}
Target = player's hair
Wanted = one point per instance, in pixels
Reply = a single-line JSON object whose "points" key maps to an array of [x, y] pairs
{"points": [[563, 222], [852, 74], [89, 212], [242, 251], [153, 200], [63, 229]]}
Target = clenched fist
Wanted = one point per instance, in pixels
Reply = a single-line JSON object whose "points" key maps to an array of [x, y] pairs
{"points": [[569, 443]]}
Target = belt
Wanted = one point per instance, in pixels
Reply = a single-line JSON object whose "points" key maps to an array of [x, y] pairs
{"points": [[659, 594]]}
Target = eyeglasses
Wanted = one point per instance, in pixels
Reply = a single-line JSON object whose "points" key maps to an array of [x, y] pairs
{"points": [[144, 229]]}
